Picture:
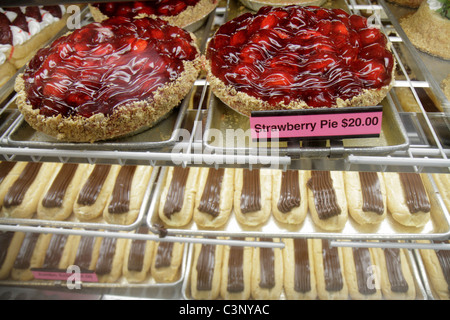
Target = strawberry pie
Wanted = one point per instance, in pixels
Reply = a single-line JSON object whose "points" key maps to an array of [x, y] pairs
{"points": [[299, 57], [108, 79], [176, 12]]}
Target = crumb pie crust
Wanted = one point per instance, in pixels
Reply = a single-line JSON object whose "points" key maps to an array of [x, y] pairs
{"points": [[127, 119], [191, 15]]}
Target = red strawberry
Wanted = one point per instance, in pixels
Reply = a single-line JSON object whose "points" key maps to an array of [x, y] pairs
{"points": [[278, 78]]}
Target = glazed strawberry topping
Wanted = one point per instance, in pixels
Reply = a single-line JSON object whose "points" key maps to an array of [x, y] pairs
{"points": [[6, 36], [134, 8], [103, 65], [297, 53]]}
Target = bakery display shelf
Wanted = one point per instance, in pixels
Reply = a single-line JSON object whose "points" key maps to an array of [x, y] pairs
{"points": [[388, 230], [421, 288], [409, 142]]}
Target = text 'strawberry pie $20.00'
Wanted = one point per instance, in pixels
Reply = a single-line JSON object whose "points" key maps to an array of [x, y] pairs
{"points": [[299, 57], [108, 79]]}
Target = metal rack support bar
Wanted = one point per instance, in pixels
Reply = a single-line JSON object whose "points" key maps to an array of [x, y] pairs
{"points": [[383, 244]]}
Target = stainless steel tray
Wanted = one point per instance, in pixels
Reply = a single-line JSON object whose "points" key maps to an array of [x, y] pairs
{"points": [[437, 228], [421, 291], [220, 139], [434, 69], [73, 222]]}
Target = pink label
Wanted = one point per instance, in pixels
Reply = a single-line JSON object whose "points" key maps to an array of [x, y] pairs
{"points": [[321, 125], [62, 275]]}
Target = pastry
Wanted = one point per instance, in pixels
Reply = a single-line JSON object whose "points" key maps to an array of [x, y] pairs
{"points": [[61, 192], [110, 259], [31, 255], [178, 196], [445, 84], [299, 57], [443, 183], [214, 197], [252, 196], [428, 29], [437, 266], [125, 201], [289, 195], [9, 172], [397, 282], [206, 271], [176, 12], [87, 249], [267, 273], [167, 261], [366, 196], [299, 274], [236, 273], [10, 243], [21, 199], [95, 188], [330, 275], [407, 198], [138, 258], [327, 200], [26, 29], [60, 253], [107, 80], [361, 274]]}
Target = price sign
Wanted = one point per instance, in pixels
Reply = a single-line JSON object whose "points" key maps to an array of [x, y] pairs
{"points": [[317, 123]]}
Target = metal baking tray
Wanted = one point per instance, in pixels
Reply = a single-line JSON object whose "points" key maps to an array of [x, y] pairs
{"points": [[256, 5], [437, 228], [421, 291], [162, 290], [434, 69], [220, 119], [99, 223]]}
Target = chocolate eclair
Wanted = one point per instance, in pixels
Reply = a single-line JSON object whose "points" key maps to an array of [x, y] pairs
{"points": [[289, 195], [10, 243], [138, 257], [167, 259], [407, 198], [236, 273], [330, 276], [110, 259], [57, 200], [397, 281], [206, 271], [252, 196], [327, 201], [214, 197], [437, 267], [31, 255], [366, 196], [267, 273], [126, 197], [22, 198], [178, 196], [95, 188], [299, 269], [361, 274]]}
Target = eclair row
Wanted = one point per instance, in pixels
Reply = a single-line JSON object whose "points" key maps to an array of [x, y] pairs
{"points": [[208, 196], [108, 258], [55, 191], [306, 269]]}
